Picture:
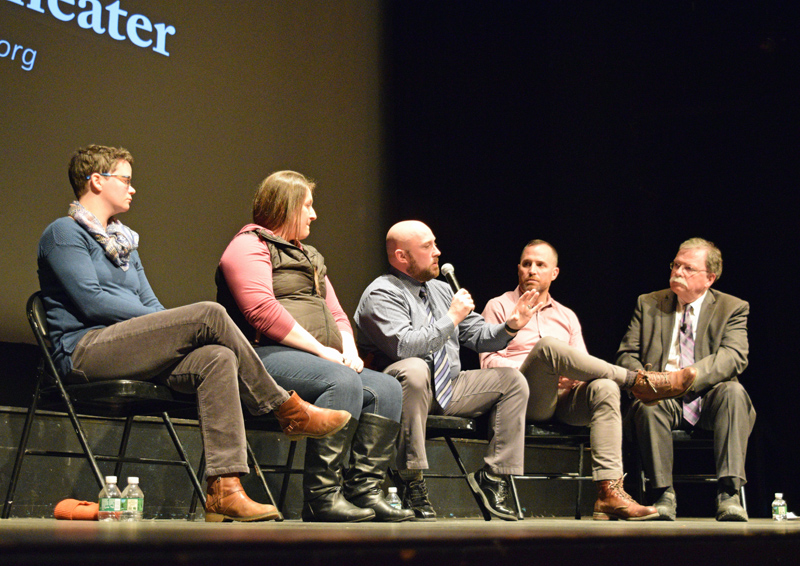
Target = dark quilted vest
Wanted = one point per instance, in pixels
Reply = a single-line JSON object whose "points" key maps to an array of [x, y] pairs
{"points": [[298, 281]]}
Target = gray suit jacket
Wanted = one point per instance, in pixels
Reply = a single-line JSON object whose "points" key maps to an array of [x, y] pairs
{"points": [[720, 344]]}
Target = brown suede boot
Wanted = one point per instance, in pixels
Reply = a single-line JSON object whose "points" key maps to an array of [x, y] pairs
{"points": [[651, 387], [300, 419], [613, 503], [227, 501]]}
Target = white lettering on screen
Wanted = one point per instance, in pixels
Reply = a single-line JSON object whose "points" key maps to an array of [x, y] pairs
{"points": [[27, 57], [138, 26]]}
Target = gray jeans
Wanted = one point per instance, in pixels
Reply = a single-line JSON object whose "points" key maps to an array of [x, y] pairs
{"points": [[192, 349], [502, 392]]}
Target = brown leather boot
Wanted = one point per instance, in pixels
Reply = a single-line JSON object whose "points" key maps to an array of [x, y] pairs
{"points": [[651, 387], [301, 419], [227, 501], [613, 503]]}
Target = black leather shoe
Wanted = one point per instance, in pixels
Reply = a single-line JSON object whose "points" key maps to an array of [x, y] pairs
{"points": [[493, 492], [729, 508], [415, 497], [667, 506]]}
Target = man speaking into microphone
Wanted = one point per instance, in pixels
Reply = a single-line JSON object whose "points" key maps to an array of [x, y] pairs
{"points": [[411, 325]]}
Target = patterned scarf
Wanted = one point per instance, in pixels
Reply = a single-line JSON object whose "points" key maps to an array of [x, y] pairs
{"points": [[117, 239]]}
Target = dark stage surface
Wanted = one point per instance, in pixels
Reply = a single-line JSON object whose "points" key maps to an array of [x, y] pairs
{"points": [[532, 541]]}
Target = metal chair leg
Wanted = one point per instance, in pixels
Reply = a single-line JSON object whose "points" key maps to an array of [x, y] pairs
{"points": [[198, 489], [287, 475], [263, 479], [123, 447], [581, 450], [457, 456], [23, 446]]}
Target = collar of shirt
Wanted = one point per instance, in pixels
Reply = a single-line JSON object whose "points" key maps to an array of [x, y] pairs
{"points": [[694, 314]]}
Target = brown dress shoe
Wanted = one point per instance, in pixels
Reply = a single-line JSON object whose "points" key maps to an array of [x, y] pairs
{"points": [[651, 387], [227, 501], [613, 503], [301, 419]]}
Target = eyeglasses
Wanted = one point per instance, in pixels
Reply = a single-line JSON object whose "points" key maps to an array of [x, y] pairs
{"points": [[687, 271], [124, 178]]}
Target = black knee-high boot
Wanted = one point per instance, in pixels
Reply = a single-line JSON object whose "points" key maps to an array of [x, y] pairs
{"points": [[372, 451], [322, 480]]}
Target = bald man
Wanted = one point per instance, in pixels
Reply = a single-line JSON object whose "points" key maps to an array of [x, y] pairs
{"points": [[411, 326]]}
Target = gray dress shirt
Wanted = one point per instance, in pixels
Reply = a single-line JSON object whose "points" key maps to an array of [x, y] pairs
{"points": [[393, 323]]}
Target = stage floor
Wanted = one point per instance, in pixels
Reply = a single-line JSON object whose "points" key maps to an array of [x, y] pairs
{"points": [[449, 541]]}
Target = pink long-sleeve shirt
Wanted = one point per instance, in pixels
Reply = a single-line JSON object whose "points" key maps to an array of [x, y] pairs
{"points": [[247, 267], [554, 320]]}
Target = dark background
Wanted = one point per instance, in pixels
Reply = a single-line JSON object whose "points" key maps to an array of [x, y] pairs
{"points": [[615, 131]]}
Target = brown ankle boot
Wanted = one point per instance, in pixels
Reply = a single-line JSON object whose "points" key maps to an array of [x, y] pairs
{"points": [[613, 503], [227, 501], [651, 387], [300, 419]]}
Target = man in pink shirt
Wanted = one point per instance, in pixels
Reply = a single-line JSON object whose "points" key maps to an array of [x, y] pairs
{"points": [[567, 383]]}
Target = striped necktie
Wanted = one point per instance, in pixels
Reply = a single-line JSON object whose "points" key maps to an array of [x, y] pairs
{"points": [[442, 384], [692, 402]]}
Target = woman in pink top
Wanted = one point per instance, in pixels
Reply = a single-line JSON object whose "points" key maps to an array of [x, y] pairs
{"points": [[277, 291]]}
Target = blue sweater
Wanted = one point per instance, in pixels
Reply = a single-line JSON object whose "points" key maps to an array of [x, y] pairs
{"points": [[82, 289]]}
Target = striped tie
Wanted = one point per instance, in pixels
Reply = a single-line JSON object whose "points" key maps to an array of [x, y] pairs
{"points": [[691, 402], [442, 384]]}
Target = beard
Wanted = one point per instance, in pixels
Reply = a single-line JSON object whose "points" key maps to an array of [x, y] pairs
{"points": [[528, 284], [422, 274]]}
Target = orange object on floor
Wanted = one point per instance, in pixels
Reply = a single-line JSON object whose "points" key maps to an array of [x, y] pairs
{"points": [[72, 509]]}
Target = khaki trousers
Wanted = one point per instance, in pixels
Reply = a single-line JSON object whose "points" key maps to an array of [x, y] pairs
{"points": [[501, 392]]}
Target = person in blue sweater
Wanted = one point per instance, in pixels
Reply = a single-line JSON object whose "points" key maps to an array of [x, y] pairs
{"points": [[106, 323]]}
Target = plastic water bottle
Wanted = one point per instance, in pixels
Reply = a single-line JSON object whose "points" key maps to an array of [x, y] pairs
{"points": [[779, 508], [110, 501], [132, 501], [393, 499]]}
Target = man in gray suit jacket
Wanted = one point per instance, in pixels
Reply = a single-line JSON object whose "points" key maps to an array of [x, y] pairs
{"points": [[691, 325]]}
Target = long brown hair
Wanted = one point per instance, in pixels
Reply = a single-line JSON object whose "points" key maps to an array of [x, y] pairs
{"points": [[278, 199]]}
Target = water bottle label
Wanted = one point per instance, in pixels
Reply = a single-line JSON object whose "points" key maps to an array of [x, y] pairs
{"points": [[134, 504], [110, 504]]}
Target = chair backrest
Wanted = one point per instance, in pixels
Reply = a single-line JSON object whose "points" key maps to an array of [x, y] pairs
{"points": [[37, 317]]}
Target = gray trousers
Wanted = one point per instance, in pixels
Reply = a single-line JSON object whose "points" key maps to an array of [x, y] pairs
{"points": [[727, 410], [594, 402], [192, 349], [502, 392]]}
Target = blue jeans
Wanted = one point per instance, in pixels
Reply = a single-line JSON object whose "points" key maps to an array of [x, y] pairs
{"points": [[331, 385]]}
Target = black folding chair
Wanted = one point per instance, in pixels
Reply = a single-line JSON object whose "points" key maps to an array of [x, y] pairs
{"points": [[109, 399], [556, 436], [449, 428], [695, 440]]}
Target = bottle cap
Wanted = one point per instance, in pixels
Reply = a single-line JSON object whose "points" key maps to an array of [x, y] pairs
{"points": [[133, 479], [778, 496], [392, 490], [111, 479]]}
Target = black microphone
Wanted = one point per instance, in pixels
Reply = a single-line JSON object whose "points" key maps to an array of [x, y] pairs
{"points": [[449, 273], [683, 327]]}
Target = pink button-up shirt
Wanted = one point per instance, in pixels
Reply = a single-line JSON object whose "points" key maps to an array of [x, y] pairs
{"points": [[554, 320]]}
